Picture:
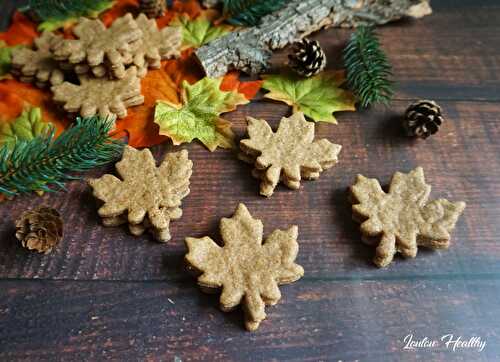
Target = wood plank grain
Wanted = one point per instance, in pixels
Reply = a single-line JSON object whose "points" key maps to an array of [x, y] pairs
{"points": [[454, 54], [462, 162], [315, 321]]}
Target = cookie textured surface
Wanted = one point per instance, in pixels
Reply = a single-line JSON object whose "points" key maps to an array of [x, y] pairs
{"points": [[403, 218], [146, 196], [97, 45], [288, 154], [155, 45], [248, 270], [105, 97], [37, 65]]}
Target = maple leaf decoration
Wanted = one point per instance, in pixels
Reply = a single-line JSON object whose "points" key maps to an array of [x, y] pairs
{"points": [[247, 270], [198, 115], [403, 217], [200, 31], [24, 128], [317, 97], [145, 188], [288, 154]]}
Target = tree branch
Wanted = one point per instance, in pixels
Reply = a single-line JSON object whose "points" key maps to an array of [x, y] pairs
{"points": [[250, 49]]}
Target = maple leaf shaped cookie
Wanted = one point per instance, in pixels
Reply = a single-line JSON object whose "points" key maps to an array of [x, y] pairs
{"points": [[155, 45], [403, 218], [162, 235], [289, 154], [145, 190], [97, 44], [247, 270], [199, 114], [38, 64], [106, 97]]}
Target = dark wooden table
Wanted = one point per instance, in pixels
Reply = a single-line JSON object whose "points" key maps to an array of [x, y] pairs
{"points": [[103, 294]]}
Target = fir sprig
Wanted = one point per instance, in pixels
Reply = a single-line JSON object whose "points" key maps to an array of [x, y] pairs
{"points": [[250, 12], [54, 12], [368, 69], [46, 161]]}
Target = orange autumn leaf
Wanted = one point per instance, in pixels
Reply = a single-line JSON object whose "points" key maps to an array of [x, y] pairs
{"points": [[186, 67], [15, 95], [231, 81], [163, 84], [21, 31], [139, 124], [191, 7], [120, 8]]}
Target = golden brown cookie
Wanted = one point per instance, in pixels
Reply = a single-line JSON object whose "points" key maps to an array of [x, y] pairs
{"points": [[145, 190], [155, 45], [102, 96], [161, 235], [403, 218], [288, 154], [97, 45], [38, 65], [248, 270]]}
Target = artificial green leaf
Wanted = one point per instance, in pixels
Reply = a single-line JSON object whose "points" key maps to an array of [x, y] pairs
{"points": [[198, 32], [26, 127], [55, 14], [5, 58], [317, 97], [198, 115]]}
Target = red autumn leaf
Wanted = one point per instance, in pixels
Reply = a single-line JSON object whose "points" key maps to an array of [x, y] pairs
{"points": [[21, 31], [249, 89], [120, 8]]}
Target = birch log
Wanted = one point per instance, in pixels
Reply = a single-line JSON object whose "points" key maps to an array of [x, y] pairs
{"points": [[250, 49]]}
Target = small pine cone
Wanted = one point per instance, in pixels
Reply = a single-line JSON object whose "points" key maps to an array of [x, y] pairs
{"points": [[153, 8], [307, 58], [422, 119], [40, 229]]}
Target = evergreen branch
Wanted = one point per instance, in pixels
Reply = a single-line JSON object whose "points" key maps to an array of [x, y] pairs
{"points": [[46, 161], [368, 69], [250, 12], [64, 9]]}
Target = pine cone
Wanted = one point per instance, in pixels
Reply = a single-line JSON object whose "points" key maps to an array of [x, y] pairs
{"points": [[153, 8], [422, 119], [307, 58], [40, 229]]}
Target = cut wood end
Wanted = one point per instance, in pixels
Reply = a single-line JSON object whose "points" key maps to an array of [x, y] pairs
{"points": [[419, 10]]}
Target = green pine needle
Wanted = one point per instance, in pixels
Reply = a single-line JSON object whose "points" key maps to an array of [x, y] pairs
{"points": [[368, 69], [61, 10], [250, 12], [46, 161]]}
